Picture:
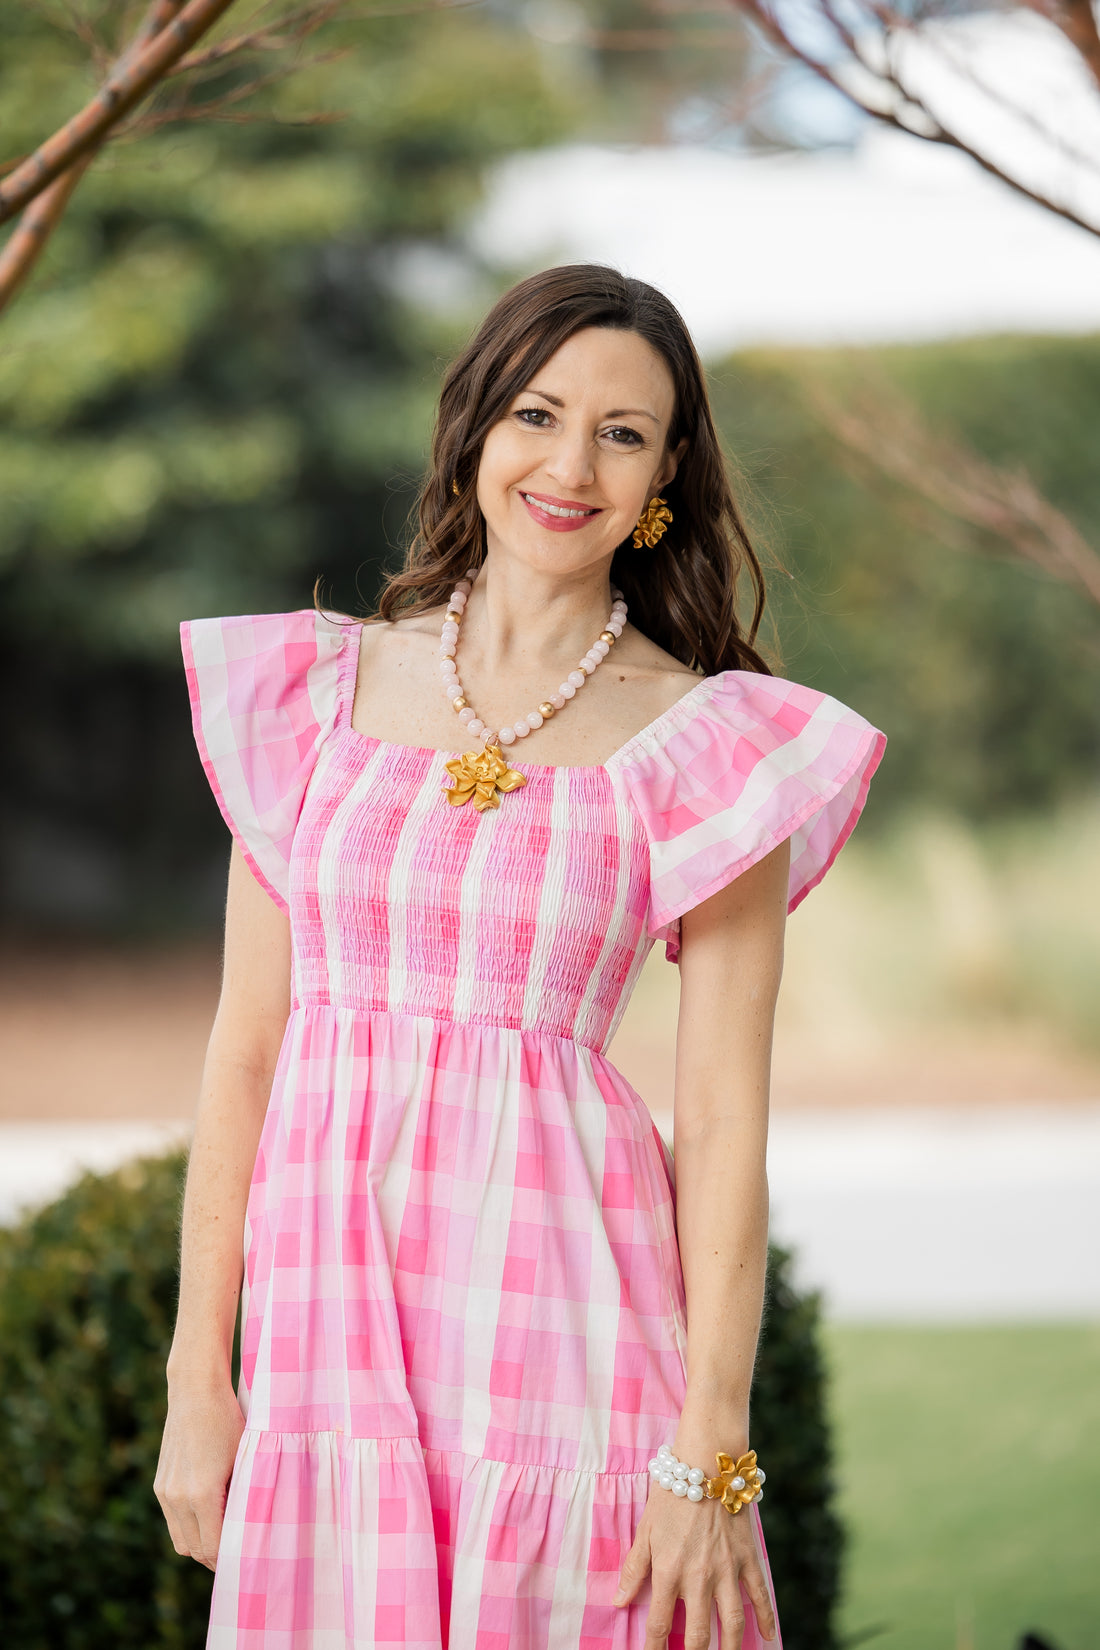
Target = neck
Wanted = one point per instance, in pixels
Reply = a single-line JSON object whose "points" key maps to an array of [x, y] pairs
{"points": [[519, 618]]}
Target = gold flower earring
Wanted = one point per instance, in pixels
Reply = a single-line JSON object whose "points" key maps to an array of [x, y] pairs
{"points": [[652, 522]]}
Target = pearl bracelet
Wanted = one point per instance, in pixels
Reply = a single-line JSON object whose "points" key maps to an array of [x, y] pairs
{"points": [[736, 1484]]}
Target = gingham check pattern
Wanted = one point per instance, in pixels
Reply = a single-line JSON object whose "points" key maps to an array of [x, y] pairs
{"points": [[464, 1321]]}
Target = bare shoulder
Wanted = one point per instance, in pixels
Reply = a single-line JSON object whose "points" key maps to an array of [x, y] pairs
{"points": [[653, 679]]}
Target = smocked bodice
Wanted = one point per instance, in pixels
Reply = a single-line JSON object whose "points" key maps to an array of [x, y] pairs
{"points": [[531, 916]]}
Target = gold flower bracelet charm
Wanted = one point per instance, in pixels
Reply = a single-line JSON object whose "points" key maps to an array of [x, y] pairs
{"points": [[736, 1483], [481, 776]]}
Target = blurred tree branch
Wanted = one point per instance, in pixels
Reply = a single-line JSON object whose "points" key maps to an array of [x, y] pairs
{"points": [[873, 56], [165, 46], [977, 500]]}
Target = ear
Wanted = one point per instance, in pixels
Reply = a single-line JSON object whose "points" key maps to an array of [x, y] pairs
{"points": [[672, 463]]}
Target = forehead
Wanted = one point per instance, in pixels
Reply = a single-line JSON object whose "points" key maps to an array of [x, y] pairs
{"points": [[611, 365]]}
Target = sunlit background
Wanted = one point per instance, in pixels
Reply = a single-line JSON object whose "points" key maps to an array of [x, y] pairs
{"points": [[218, 386]]}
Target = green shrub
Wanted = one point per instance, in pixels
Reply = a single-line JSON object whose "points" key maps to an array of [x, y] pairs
{"points": [[87, 1303], [790, 1434]]}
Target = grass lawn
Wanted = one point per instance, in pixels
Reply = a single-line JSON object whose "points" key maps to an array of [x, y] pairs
{"points": [[969, 1462]]}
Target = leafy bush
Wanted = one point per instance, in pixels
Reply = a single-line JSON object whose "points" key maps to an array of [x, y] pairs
{"points": [[790, 1434], [87, 1304]]}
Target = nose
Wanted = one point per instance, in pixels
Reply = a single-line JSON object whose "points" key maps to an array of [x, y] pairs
{"points": [[569, 461]]}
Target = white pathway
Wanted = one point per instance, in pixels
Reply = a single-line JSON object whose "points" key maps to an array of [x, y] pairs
{"points": [[919, 1216]]}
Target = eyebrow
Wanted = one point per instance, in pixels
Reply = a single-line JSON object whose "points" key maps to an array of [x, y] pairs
{"points": [[616, 412]]}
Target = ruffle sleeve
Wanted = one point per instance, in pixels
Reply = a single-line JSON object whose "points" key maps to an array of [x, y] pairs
{"points": [[740, 764], [266, 690]]}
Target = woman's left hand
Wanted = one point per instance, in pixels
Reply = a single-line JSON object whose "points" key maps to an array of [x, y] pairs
{"points": [[697, 1551]]}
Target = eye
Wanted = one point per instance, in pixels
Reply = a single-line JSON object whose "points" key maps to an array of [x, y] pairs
{"points": [[633, 439], [525, 413]]}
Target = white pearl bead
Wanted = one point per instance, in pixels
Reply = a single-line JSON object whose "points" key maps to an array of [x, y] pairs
{"points": [[466, 716], [680, 1470], [666, 1480], [477, 726], [655, 1464], [568, 690], [666, 1450], [696, 1475], [761, 1474], [521, 730], [576, 677], [507, 736], [534, 720], [737, 1483], [679, 1487], [695, 1492]]}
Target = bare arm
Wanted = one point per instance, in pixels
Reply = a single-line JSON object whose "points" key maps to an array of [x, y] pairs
{"points": [[731, 963], [204, 1420]]}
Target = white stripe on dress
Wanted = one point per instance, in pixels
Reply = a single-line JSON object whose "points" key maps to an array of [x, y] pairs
{"points": [[429, 796], [548, 920], [624, 830], [335, 867]]}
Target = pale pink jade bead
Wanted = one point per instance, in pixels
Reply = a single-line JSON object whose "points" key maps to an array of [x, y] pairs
{"points": [[476, 727], [521, 730], [466, 716], [576, 677], [601, 648], [487, 736], [615, 626], [457, 601], [587, 667], [507, 736], [558, 701], [447, 650], [534, 720], [568, 690]]}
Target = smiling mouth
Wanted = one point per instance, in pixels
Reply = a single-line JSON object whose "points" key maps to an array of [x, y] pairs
{"points": [[559, 509]]}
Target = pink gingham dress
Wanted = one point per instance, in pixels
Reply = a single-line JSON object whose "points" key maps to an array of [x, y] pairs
{"points": [[463, 1319]]}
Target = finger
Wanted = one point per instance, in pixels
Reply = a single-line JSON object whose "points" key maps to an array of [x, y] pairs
{"points": [[634, 1571], [658, 1623], [697, 1621], [210, 1511], [752, 1579], [731, 1614]]}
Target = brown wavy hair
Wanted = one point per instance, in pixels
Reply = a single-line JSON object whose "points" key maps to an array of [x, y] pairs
{"points": [[683, 593]]}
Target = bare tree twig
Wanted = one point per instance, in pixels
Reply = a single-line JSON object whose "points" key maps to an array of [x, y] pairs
{"points": [[909, 112], [124, 88], [25, 244], [876, 425]]}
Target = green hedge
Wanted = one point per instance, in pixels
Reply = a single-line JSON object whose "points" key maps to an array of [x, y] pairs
{"points": [[87, 1302]]}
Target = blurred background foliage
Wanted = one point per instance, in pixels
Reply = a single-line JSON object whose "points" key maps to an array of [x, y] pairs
{"points": [[219, 387]]}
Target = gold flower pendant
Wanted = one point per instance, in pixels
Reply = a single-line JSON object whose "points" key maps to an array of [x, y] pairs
{"points": [[481, 776], [736, 1483]]}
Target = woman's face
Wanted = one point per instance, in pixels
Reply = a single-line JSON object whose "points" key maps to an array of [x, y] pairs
{"points": [[587, 438]]}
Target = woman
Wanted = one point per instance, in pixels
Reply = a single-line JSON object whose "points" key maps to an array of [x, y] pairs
{"points": [[475, 1303]]}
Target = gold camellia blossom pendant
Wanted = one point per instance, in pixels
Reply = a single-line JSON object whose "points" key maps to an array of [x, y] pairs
{"points": [[481, 777]]}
